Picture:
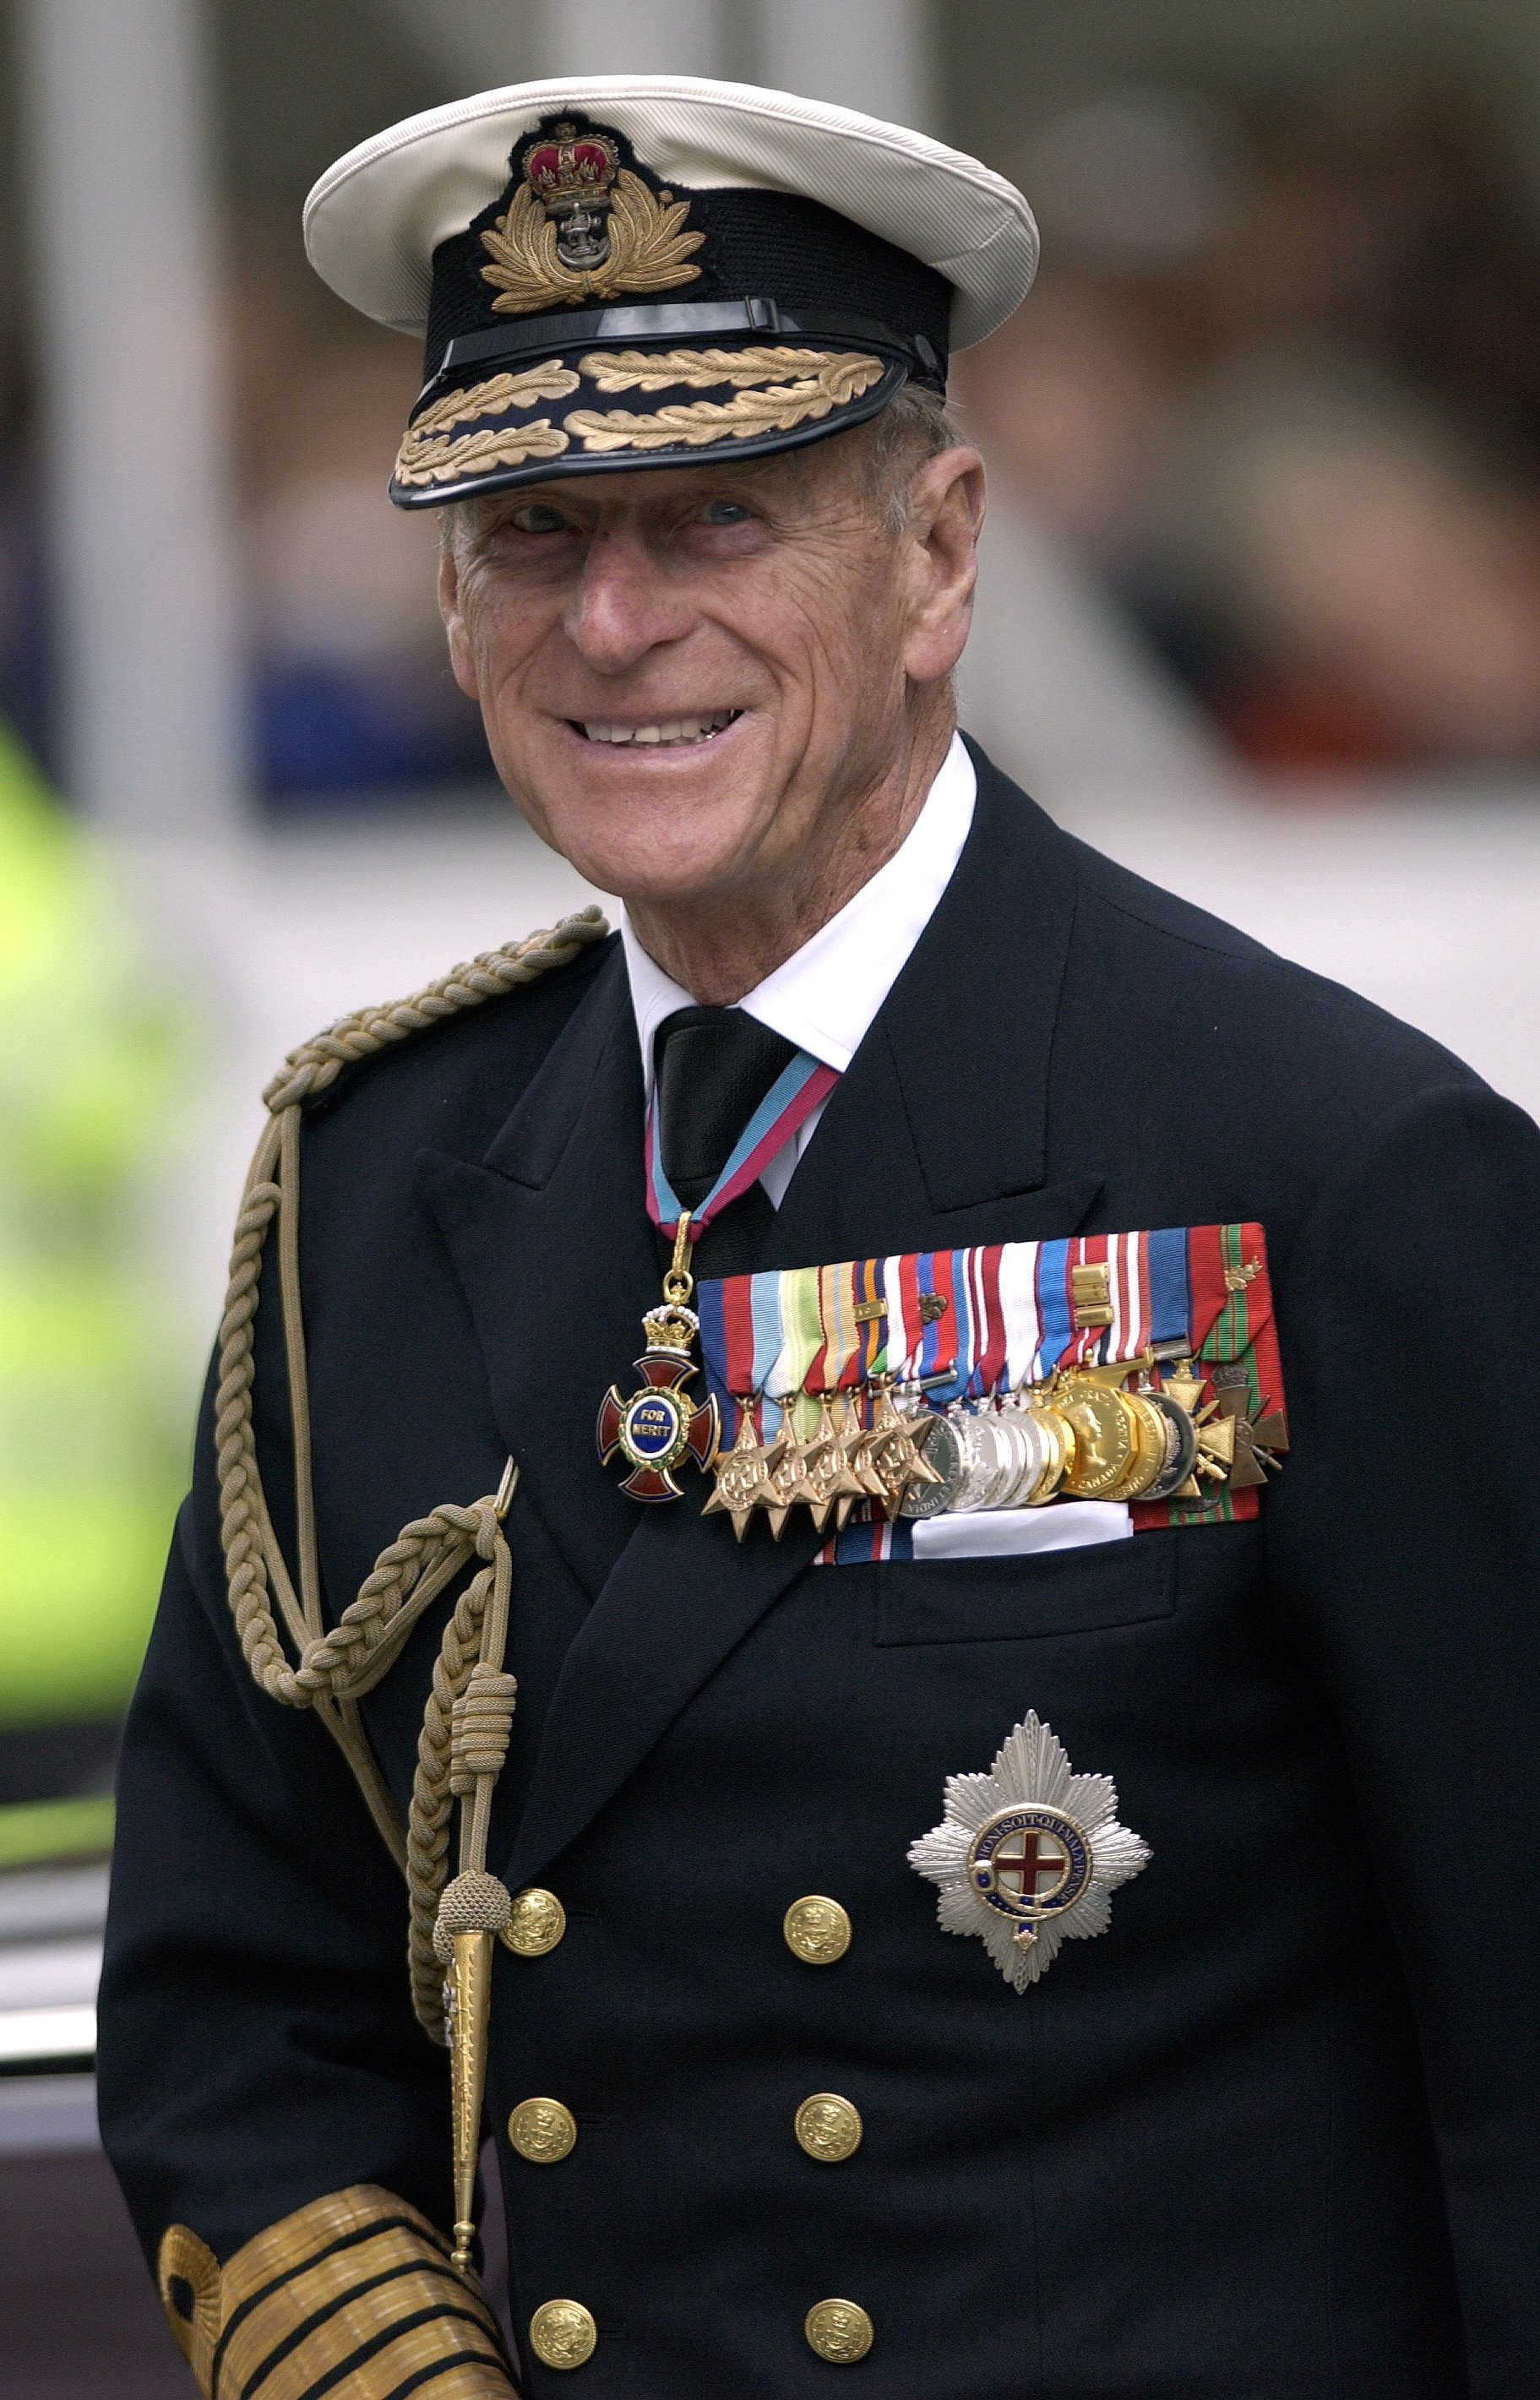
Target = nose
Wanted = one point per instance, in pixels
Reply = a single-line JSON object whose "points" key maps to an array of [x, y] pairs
{"points": [[623, 605]]}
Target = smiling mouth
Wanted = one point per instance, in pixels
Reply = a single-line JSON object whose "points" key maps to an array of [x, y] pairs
{"points": [[670, 733]]}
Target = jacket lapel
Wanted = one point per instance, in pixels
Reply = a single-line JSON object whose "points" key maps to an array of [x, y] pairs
{"points": [[935, 1136], [552, 1244], [683, 1595]]}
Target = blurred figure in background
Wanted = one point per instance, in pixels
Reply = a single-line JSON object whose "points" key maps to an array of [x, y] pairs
{"points": [[351, 694], [89, 1463], [1284, 392]]}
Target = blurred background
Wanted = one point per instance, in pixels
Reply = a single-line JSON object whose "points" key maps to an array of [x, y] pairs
{"points": [[1259, 614]]}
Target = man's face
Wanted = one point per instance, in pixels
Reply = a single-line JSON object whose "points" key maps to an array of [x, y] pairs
{"points": [[687, 674]]}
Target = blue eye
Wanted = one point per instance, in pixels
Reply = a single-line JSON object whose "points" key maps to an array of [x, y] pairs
{"points": [[538, 517], [725, 513]]}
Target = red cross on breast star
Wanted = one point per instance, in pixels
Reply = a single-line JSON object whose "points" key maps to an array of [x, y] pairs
{"points": [[1032, 1859], [1027, 1855]]}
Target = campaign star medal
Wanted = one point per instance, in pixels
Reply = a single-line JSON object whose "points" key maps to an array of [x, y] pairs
{"points": [[660, 1426], [888, 1457], [743, 1472], [833, 1486], [785, 1482], [1028, 1856]]}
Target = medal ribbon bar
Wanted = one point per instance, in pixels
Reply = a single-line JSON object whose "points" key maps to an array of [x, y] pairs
{"points": [[942, 1330]]}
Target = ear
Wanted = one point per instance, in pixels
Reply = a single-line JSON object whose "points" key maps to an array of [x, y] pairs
{"points": [[462, 656], [945, 518]]}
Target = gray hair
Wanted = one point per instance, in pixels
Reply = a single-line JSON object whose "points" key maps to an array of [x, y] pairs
{"points": [[916, 425]]}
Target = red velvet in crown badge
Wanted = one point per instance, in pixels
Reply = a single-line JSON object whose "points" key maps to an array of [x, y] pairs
{"points": [[571, 166]]}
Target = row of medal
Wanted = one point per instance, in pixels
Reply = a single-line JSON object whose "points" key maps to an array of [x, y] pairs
{"points": [[1081, 1435]]}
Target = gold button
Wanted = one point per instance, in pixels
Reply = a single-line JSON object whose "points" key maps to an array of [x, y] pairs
{"points": [[829, 2128], [543, 2131], [839, 2331], [536, 1924], [817, 1930], [562, 2334]]}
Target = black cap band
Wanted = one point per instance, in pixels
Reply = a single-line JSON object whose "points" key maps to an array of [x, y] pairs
{"points": [[815, 266]]}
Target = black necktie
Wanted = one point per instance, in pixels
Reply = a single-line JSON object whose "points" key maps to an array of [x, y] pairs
{"points": [[713, 1067]]}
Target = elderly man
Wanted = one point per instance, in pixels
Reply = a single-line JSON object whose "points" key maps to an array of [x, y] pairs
{"points": [[973, 1828]]}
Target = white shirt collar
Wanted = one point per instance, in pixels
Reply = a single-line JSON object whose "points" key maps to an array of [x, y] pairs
{"points": [[826, 995]]}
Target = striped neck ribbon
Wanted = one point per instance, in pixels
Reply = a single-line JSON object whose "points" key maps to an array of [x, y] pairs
{"points": [[797, 1091]]}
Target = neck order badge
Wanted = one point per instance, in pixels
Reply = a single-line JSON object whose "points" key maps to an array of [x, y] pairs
{"points": [[659, 1425]]}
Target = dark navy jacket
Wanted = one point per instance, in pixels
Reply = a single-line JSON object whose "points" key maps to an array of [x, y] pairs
{"points": [[1276, 2136]]}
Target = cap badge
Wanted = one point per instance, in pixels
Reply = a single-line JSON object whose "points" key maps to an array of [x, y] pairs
{"points": [[1029, 1855], [580, 226]]}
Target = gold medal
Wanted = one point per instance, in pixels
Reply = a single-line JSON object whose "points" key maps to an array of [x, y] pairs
{"points": [[1182, 1448], [787, 1479], [1104, 1431], [1151, 1450], [1059, 1434]]}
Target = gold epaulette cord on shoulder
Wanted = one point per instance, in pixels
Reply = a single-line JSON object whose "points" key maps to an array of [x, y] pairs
{"points": [[469, 1715]]}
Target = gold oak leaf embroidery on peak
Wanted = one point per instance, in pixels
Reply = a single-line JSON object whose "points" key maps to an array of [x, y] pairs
{"points": [[452, 458], [661, 370], [778, 409], [427, 456], [649, 251], [550, 380]]}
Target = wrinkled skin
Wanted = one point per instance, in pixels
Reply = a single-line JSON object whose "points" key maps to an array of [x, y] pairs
{"points": [[778, 588]]}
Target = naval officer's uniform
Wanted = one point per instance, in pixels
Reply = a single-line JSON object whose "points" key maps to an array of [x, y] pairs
{"points": [[762, 2117]]}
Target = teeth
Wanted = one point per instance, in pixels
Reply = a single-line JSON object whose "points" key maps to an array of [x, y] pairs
{"points": [[679, 728]]}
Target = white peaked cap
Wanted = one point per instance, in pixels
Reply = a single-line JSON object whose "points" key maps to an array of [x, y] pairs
{"points": [[375, 220]]}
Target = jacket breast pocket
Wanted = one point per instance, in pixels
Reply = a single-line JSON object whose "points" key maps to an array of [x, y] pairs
{"points": [[1081, 1590]]}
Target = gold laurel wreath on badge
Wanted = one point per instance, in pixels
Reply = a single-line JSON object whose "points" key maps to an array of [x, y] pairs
{"points": [[780, 408], [647, 251]]}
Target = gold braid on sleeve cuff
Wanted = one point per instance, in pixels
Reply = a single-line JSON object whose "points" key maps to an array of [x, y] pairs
{"points": [[352, 2295]]}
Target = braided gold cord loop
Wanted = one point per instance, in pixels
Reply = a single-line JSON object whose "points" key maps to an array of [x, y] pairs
{"points": [[482, 1724], [315, 1066], [428, 1819], [333, 1668]]}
